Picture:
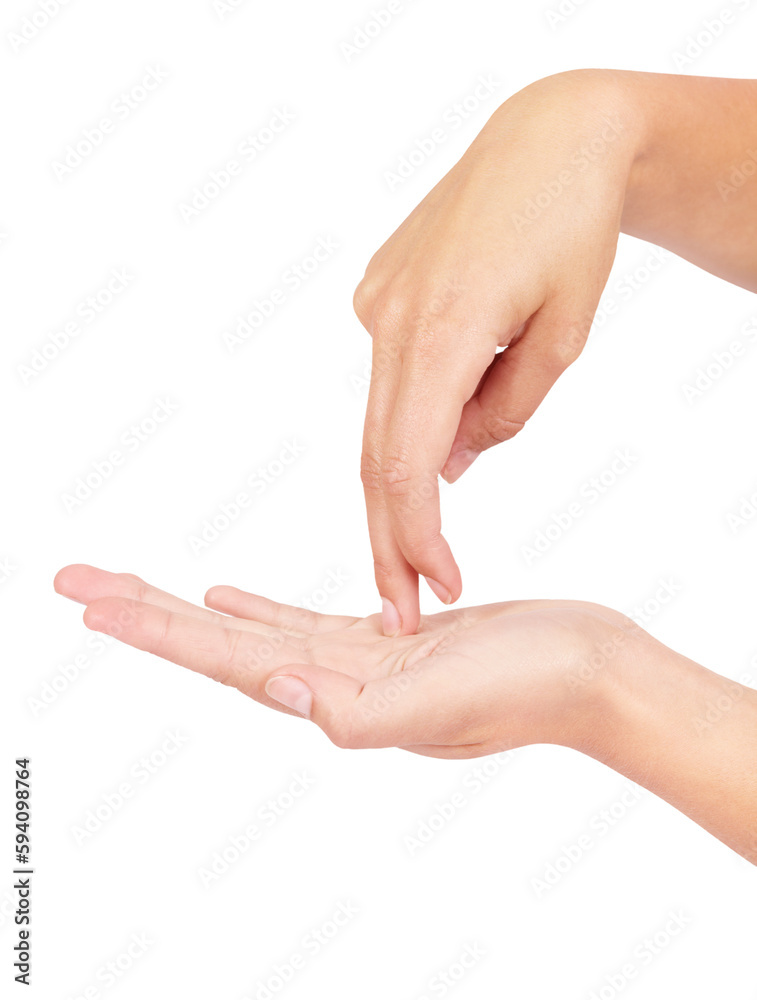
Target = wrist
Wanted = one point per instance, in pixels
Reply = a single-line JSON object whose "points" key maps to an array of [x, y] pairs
{"points": [[685, 733], [630, 696], [606, 684], [596, 116]]}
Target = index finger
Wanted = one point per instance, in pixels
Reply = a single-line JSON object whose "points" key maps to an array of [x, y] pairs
{"points": [[396, 580], [433, 390]]}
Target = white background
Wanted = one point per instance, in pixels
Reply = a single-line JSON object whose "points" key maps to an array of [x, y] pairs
{"points": [[301, 377]]}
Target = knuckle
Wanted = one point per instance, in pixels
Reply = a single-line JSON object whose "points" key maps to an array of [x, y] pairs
{"points": [[142, 590], [571, 340], [166, 633], [385, 574], [345, 731], [302, 619], [422, 493], [370, 473], [389, 308], [231, 652], [420, 549], [499, 428], [362, 303], [339, 734], [493, 428], [396, 476], [139, 587], [386, 325], [566, 352]]}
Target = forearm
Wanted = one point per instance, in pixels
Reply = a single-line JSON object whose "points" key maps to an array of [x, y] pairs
{"points": [[688, 735], [693, 183]]}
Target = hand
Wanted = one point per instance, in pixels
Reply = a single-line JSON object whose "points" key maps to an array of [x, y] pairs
{"points": [[470, 682], [511, 249]]}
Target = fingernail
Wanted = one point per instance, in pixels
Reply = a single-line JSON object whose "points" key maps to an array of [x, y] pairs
{"points": [[390, 618], [292, 692], [441, 591], [457, 463]]}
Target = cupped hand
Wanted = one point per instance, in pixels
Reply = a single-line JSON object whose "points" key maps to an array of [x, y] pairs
{"points": [[510, 250], [471, 682]]}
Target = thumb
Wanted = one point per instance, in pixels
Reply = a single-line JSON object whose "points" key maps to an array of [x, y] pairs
{"points": [[515, 386], [327, 697]]}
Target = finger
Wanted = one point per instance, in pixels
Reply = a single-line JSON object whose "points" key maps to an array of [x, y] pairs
{"points": [[85, 584], [236, 657], [404, 708], [514, 388], [241, 604], [424, 422], [396, 580]]}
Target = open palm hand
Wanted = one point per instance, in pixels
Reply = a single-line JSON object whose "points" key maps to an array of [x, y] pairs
{"points": [[472, 681]]}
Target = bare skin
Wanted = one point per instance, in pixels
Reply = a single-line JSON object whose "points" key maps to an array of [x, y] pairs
{"points": [[486, 292], [471, 682]]}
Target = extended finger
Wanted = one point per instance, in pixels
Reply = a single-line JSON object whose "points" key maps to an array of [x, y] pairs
{"points": [[396, 580], [430, 399], [85, 584], [235, 657], [241, 604]]}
